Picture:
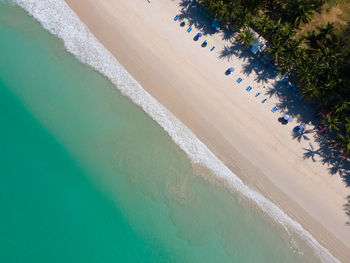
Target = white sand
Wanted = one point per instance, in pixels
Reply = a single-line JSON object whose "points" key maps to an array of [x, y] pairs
{"points": [[190, 81]]}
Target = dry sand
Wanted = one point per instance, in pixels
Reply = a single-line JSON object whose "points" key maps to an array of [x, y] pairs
{"points": [[189, 80]]}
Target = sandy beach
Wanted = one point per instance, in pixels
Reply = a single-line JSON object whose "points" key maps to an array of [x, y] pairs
{"points": [[190, 81]]}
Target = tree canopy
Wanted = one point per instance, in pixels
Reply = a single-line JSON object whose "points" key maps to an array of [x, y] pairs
{"points": [[318, 63]]}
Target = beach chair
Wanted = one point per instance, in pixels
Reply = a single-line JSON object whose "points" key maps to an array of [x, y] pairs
{"points": [[249, 88], [274, 109], [176, 18], [189, 29], [212, 48], [256, 95], [239, 80], [264, 100]]}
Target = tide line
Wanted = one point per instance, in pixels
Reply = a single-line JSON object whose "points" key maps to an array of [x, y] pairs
{"points": [[57, 18]]}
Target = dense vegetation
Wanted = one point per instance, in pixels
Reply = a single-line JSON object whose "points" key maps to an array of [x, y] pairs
{"points": [[318, 62]]}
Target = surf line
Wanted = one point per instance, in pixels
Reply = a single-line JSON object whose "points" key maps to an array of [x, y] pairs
{"points": [[57, 18]]}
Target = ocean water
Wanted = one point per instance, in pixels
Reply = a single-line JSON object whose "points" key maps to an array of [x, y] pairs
{"points": [[88, 176]]}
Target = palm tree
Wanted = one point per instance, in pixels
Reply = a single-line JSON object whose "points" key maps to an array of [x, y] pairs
{"points": [[332, 122], [321, 64], [341, 107], [264, 24], [347, 125], [310, 91], [323, 38], [344, 142], [293, 55], [299, 11], [245, 37], [277, 49], [243, 16], [275, 28]]}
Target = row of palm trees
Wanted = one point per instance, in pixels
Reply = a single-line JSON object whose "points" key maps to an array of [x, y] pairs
{"points": [[291, 11], [318, 62]]}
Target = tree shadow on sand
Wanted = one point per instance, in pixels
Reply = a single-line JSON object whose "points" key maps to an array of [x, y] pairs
{"points": [[289, 100], [253, 64], [347, 209], [299, 136], [329, 155], [191, 11], [249, 66], [235, 49], [311, 153], [263, 77], [228, 35], [228, 52]]}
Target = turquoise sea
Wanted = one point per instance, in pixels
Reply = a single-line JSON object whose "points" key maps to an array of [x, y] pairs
{"points": [[87, 176]]}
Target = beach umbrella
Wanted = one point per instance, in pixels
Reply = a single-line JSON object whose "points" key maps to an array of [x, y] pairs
{"points": [[207, 41], [290, 119], [301, 127], [199, 35], [286, 117], [185, 20], [229, 70]]}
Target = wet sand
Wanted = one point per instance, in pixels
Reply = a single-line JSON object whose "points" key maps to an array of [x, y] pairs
{"points": [[189, 80]]}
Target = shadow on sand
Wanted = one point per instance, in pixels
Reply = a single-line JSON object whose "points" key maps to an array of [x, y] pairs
{"points": [[305, 135], [289, 101], [328, 154], [347, 208], [251, 62], [190, 10]]}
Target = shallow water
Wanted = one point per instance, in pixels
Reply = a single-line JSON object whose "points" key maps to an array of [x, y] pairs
{"points": [[87, 176]]}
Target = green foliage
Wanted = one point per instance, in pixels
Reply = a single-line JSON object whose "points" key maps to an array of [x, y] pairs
{"points": [[300, 11], [320, 61], [245, 37]]}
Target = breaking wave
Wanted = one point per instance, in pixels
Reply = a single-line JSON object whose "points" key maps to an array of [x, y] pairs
{"points": [[56, 17]]}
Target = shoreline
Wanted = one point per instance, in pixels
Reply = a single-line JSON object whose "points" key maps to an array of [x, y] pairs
{"points": [[173, 86]]}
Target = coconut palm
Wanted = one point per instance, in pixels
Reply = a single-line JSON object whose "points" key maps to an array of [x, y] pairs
{"points": [[332, 122], [277, 50], [245, 37], [299, 11], [320, 62], [265, 23], [344, 142], [322, 37]]}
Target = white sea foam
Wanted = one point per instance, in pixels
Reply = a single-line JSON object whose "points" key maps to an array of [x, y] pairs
{"points": [[56, 17]]}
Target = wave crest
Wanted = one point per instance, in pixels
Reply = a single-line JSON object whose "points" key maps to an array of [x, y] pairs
{"points": [[56, 17]]}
